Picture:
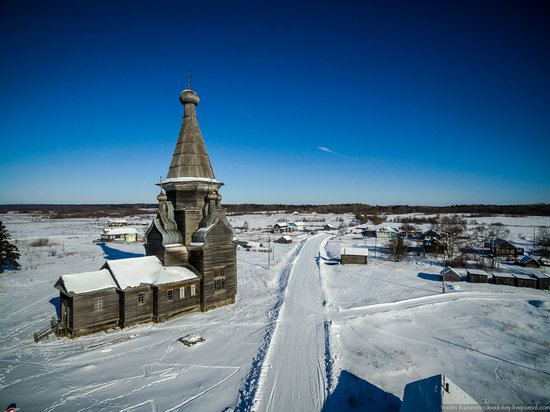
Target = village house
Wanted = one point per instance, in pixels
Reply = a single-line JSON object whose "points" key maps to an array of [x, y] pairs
{"points": [[502, 247], [281, 227], [284, 239], [432, 241], [117, 222], [387, 232], [123, 234], [530, 262], [191, 260], [354, 255]]}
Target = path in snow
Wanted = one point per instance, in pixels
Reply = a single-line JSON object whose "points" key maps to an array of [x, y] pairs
{"points": [[293, 376]]}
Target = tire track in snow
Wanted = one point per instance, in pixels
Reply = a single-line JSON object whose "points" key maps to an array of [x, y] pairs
{"points": [[250, 386], [292, 374]]}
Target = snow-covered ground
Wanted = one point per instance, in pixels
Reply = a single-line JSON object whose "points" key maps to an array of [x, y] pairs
{"points": [[303, 334]]}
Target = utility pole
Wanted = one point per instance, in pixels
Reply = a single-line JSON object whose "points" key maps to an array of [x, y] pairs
{"points": [[443, 283], [375, 238], [269, 254]]}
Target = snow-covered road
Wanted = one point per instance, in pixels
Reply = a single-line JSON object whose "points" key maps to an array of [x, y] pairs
{"points": [[293, 376]]}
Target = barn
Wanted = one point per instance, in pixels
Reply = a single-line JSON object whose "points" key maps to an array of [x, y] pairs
{"points": [[543, 280], [89, 303], [477, 276], [525, 281], [448, 274], [503, 278], [284, 239], [354, 255]]}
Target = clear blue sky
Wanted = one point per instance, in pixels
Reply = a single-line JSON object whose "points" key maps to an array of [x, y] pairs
{"points": [[440, 102]]}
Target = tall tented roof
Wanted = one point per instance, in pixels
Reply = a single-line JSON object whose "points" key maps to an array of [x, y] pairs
{"points": [[190, 158]]}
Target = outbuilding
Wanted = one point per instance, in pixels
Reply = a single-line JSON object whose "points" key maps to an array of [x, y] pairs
{"points": [[284, 239], [543, 280], [125, 234], [503, 278], [448, 274], [525, 281], [89, 303], [477, 276], [529, 262], [354, 255]]}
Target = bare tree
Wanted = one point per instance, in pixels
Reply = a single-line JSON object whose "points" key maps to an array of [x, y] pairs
{"points": [[451, 229], [398, 247], [498, 231], [543, 239]]}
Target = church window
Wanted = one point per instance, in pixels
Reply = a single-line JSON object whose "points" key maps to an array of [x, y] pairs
{"points": [[141, 298], [219, 283], [182, 292], [98, 304], [170, 294], [193, 290]]}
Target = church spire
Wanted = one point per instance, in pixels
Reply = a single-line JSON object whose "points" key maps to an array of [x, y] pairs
{"points": [[190, 159]]}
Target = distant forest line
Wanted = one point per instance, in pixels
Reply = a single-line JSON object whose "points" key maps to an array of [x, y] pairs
{"points": [[117, 210]]}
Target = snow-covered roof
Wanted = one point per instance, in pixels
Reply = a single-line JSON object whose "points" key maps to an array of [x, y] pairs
{"points": [[119, 231], [539, 275], [527, 259], [281, 224], [285, 237], [478, 272], [190, 179], [447, 270], [146, 270], [356, 251], [85, 282], [120, 221], [172, 274], [436, 393], [503, 275], [387, 229], [523, 276]]}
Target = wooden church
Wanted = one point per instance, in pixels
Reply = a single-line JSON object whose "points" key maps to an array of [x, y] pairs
{"points": [[191, 260], [191, 227]]}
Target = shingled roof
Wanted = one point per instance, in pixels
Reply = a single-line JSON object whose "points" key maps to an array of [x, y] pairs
{"points": [[190, 158]]}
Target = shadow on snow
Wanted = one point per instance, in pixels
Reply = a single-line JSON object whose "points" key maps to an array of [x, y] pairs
{"points": [[57, 305], [430, 276], [115, 254], [355, 394]]}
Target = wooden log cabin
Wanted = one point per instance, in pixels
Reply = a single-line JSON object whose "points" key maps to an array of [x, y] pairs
{"points": [[448, 274], [191, 260], [477, 276], [89, 303], [354, 255], [543, 280], [525, 281], [503, 278]]}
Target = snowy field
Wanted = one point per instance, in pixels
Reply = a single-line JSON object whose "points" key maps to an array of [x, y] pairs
{"points": [[303, 334]]}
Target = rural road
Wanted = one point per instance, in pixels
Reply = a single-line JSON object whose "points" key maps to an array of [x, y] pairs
{"points": [[295, 376]]}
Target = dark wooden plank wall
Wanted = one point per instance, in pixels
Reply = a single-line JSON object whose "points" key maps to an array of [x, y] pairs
{"points": [[353, 259], [131, 311], [165, 309], [153, 244], [85, 319], [219, 250]]}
